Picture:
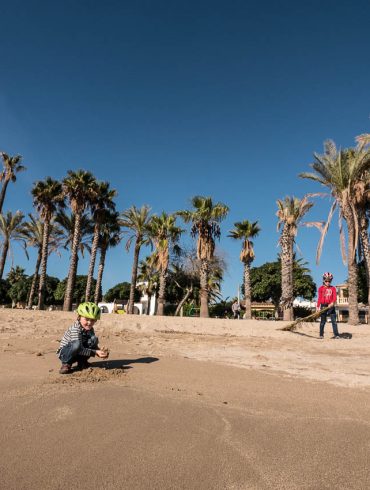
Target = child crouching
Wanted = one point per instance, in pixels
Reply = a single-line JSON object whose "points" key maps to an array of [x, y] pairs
{"points": [[79, 342]]}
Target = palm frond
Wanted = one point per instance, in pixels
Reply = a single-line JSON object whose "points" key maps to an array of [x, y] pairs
{"points": [[324, 232]]}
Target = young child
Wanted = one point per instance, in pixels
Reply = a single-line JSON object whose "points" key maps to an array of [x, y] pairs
{"points": [[327, 297], [79, 342]]}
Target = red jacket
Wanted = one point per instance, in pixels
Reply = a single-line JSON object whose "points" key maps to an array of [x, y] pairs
{"points": [[327, 295]]}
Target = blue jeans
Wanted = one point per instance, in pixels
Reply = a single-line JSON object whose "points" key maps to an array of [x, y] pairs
{"points": [[70, 352], [333, 318]]}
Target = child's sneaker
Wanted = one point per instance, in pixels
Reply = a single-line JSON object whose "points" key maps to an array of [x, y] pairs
{"points": [[336, 337], [65, 369], [321, 336]]}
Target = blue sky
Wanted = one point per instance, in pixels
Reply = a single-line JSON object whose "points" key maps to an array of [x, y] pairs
{"points": [[168, 99]]}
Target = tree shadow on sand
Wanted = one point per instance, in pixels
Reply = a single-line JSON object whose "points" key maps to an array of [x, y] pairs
{"points": [[123, 363]]}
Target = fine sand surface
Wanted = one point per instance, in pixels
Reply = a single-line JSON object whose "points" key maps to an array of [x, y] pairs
{"points": [[184, 403]]}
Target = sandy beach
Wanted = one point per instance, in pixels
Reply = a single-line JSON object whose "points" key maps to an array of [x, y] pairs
{"points": [[184, 403]]}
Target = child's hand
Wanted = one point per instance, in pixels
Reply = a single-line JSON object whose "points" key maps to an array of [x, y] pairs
{"points": [[102, 354]]}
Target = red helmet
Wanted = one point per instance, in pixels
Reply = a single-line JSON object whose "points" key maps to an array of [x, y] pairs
{"points": [[327, 276]]}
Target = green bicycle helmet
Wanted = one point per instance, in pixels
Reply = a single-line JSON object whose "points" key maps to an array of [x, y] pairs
{"points": [[89, 310]]}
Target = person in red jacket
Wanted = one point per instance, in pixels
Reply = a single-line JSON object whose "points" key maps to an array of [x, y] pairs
{"points": [[327, 297]]}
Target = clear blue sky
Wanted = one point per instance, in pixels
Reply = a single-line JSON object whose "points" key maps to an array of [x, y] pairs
{"points": [[171, 99]]}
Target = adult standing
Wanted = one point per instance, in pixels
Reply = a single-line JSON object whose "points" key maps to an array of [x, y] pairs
{"points": [[236, 310]]}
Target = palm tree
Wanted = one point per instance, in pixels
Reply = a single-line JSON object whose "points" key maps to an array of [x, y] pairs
{"points": [[47, 198], [165, 235], [103, 201], [34, 233], [148, 277], [80, 189], [290, 212], [12, 165], [340, 170], [11, 229], [245, 230], [137, 222], [109, 237], [205, 218]]}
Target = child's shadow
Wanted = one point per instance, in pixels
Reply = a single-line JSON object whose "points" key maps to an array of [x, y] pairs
{"points": [[123, 363]]}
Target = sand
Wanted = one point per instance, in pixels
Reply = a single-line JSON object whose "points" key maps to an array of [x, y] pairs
{"points": [[184, 403]]}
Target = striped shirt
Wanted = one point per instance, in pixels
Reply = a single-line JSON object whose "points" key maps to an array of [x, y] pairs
{"points": [[76, 332]]}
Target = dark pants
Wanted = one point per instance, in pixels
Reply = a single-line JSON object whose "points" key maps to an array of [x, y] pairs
{"points": [[70, 352], [333, 317]]}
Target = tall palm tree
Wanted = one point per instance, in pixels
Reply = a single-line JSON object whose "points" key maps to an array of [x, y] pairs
{"points": [[47, 198], [245, 230], [34, 233], [80, 189], [205, 218], [102, 202], [137, 222], [109, 237], [12, 165], [165, 235], [11, 229], [339, 170], [149, 277], [290, 213]]}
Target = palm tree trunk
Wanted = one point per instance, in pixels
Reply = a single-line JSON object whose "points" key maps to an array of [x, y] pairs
{"points": [[364, 237], [31, 294], [162, 292], [90, 273], [67, 306], [44, 262], [352, 268], [247, 291], [133, 278], [3, 257], [287, 273], [149, 301], [204, 268], [2, 193], [99, 279]]}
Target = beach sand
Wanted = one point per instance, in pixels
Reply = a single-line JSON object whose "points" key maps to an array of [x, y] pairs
{"points": [[184, 403]]}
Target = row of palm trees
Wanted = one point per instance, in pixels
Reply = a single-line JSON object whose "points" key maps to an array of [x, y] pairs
{"points": [[345, 172]]}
